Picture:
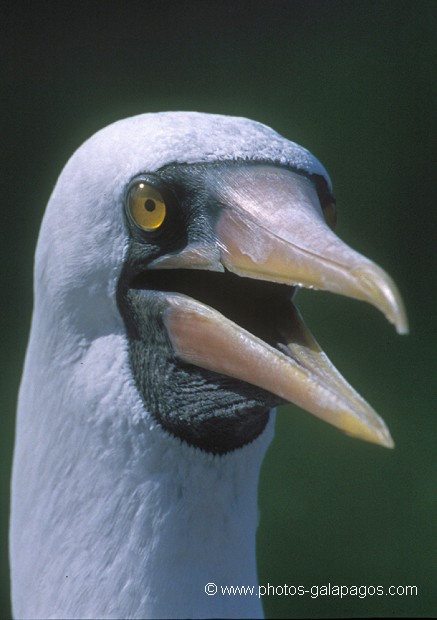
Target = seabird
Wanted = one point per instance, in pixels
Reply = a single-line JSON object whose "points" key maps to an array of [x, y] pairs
{"points": [[163, 336]]}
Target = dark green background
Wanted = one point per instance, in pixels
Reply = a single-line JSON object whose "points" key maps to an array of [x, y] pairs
{"points": [[355, 82]]}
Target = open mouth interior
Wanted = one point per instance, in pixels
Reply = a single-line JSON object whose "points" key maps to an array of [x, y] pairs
{"points": [[250, 330], [252, 304]]}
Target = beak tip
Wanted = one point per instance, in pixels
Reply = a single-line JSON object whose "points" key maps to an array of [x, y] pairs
{"points": [[387, 441], [402, 326], [371, 428], [380, 290], [383, 437], [397, 314]]}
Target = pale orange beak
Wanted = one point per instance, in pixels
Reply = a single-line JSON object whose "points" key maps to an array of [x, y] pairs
{"points": [[271, 227]]}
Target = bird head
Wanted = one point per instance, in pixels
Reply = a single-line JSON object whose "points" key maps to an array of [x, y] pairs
{"points": [[189, 234]]}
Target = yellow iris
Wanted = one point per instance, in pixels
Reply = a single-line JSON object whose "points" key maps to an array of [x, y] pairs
{"points": [[146, 206]]}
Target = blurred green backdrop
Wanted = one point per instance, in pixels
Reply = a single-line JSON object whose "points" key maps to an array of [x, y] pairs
{"points": [[355, 82]]}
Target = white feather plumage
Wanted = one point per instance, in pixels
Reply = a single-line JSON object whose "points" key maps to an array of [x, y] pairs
{"points": [[111, 516]]}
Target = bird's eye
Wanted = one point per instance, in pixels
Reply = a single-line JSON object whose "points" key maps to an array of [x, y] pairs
{"points": [[330, 214], [146, 206]]}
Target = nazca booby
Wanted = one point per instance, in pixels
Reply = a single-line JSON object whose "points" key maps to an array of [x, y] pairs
{"points": [[163, 334]]}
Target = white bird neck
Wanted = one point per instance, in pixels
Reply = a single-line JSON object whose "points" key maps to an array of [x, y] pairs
{"points": [[195, 521], [127, 521]]}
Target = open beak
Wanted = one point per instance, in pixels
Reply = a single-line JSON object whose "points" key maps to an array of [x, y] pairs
{"points": [[271, 227]]}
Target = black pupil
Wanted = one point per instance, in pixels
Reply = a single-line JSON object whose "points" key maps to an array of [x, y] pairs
{"points": [[149, 205]]}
